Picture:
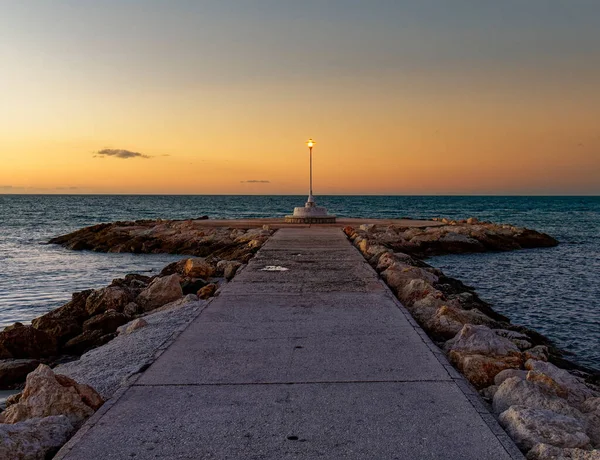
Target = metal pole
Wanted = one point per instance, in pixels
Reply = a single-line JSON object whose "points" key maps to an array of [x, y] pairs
{"points": [[310, 194]]}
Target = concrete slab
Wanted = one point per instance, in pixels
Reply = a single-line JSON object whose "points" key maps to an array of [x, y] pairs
{"points": [[315, 362], [416, 420]]}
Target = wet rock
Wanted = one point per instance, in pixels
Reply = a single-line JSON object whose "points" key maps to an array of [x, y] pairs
{"points": [[198, 268], [14, 371], [207, 291], [47, 394], [64, 322], [528, 427], [34, 439], [86, 341], [26, 342], [516, 392], [574, 387], [106, 322], [108, 298], [160, 292], [548, 452]]}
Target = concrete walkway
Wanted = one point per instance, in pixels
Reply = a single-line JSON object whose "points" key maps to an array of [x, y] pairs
{"points": [[316, 362]]}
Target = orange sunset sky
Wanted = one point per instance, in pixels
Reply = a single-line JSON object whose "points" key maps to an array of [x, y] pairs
{"points": [[219, 97]]}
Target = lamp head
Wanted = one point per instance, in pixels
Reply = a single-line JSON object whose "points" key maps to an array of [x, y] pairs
{"points": [[310, 143]]}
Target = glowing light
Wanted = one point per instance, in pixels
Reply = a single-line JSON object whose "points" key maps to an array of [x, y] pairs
{"points": [[310, 143]]}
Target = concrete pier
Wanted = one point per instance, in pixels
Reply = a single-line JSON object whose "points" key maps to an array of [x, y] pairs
{"points": [[316, 361]]}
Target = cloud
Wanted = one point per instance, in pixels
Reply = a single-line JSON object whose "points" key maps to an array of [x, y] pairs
{"points": [[119, 153], [254, 181], [6, 187]]}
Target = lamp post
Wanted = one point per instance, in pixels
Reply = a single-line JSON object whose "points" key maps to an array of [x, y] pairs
{"points": [[310, 213], [311, 201]]}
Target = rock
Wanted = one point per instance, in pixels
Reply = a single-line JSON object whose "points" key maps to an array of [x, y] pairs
{"points": [[528, 427], [537, 353], [174, 268], [548, 452], [472, 221], [106, 322], [480, 354], [591, 405], [508, 373], [228, 268], [449, 320], [26, 342], [34, 439], [574, 387], [520, 340], [132, 326], [13, 399], [368, 227], [474, 339], [489, 392], [593, 427], [481, 370], [547, 383], [132, 309], [516, 392], [424, 309], [48, 394], [191, 286], [207, 291], [108, 298], [86, 341], [160, 292], [14, 371], [198, 268], [64, 323]]}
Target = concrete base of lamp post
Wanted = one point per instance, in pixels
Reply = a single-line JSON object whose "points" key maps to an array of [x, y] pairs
{"points": [[310, 214]]}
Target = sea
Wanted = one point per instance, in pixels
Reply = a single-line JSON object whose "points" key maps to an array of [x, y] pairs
{"points": [[555, 291]]}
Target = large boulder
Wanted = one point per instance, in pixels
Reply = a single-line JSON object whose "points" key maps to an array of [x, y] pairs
{"points": [[479, 339], [48, 394], [108, 298], [528, 427], [34, 439], [26, 342], [449, 320], [14, 371], [574, 388], [548, 452], [198, 267], [106, 322], [64, 322], [480, 354], [517, 392], [160, 292]]}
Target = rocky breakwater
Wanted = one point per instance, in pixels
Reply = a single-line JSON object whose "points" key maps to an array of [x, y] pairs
{"points": [[548, 405], [190, 237], [94, 338]]}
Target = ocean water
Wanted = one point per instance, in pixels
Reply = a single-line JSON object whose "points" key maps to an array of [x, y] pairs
{"points": [[555, 291]]}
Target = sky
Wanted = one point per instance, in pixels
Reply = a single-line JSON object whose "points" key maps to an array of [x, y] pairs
{"points": [[218, 97]]}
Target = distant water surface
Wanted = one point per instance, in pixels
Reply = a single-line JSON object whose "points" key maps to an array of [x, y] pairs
{"points": [[555, 291]]}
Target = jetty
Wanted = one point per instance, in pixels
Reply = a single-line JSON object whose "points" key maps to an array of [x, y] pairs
{"points": [[306, 354]]}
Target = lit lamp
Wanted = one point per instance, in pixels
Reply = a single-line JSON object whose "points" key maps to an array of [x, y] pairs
{"points": [[311, 201], [310, 213]]}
